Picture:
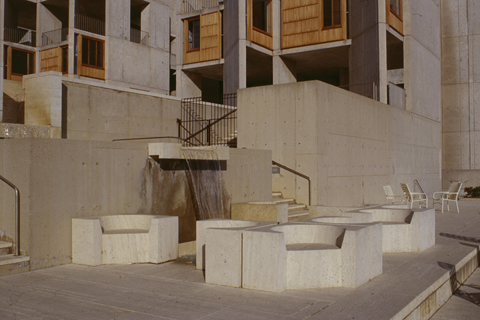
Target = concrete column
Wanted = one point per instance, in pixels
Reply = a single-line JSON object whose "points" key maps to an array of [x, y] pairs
{"points": [[2, 20], [235, 50], [276, 25], [117, 19], [382, 63], [71, 38], [284, 70]]}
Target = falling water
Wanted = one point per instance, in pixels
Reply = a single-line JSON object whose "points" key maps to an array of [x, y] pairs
{"points": [[206, 179]]}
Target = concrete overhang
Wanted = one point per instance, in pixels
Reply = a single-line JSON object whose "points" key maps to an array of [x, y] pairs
{"points": [[209, 69]]}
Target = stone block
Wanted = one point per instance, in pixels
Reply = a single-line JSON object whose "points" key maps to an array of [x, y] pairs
{"points": [[203, 225], [124, 239]]}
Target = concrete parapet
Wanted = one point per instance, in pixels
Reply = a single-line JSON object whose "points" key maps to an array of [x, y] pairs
{"points": [[124, 239], [164, 150], [260, 211]]}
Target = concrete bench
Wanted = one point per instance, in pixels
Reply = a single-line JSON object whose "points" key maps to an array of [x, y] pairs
{"points": [[124, 239]]}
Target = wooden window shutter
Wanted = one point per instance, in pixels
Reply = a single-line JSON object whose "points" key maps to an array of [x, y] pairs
{"points": [[210, 36]]}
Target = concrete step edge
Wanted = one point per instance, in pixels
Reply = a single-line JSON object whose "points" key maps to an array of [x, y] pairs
{"points": [[5, 244], [11, 259]]}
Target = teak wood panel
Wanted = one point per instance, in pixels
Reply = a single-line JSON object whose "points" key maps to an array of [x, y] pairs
{"points": [[302, 24], [392, 19], [210, 39], [259, 37], [51, 60], [85, 70]]}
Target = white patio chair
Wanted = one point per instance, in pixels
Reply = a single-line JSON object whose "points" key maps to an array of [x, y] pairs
{"points": [[391, 197], [412, 197], [447, 196]]}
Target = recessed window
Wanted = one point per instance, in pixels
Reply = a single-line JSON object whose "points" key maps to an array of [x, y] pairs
{"points": [[92, 52], [396, 7], [332, 13], [22, 62], [65, 59], [194, 34], [262, 15]]}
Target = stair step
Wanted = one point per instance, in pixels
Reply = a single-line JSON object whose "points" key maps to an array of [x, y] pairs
{"points": [[282, 200], [11, 259], [5, 244], [296, 207], [277, 194]]}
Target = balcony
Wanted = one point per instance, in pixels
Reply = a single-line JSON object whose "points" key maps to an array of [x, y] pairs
{"points": [[20, 35], [54, 36], [89, 24], [139, 36], [197, 5]]}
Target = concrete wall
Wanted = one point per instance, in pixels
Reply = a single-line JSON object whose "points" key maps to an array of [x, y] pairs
{"points": [[99, 113], [349, 145], [62, 179], [422, 57], [460, 86], [135, 65]]}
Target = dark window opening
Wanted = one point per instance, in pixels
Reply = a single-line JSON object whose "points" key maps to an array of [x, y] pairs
{"points": [[194, 34], [332, 13], [65, 59], [23, 62], [395, 7], [262, 15], [92, 52]]}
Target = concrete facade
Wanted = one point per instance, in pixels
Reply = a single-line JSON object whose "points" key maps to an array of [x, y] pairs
{"points": [[460, 83], [349, 145]]}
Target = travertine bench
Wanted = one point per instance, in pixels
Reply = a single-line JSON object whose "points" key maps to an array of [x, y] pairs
{"points": [[124, 239]]}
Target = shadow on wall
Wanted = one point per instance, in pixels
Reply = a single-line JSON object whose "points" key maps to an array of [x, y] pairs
{"points": [[13, 110]]}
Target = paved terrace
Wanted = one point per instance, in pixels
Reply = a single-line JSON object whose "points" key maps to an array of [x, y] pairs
{"points": [[176, 290]]}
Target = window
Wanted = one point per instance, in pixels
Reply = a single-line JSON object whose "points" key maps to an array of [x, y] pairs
{"points": [[396, 7], [332, 13], [194, 34], [22, 62], [262, 15], [65, 59], [92, 52]]}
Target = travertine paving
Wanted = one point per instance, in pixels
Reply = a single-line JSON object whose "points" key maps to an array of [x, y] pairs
{"points": [[176, 290]]}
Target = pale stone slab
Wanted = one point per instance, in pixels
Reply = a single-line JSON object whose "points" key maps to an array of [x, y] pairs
{"points": [[124, 239], [260, 211], [165, 150]]}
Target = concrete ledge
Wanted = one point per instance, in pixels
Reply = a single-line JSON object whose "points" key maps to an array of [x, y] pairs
{"points": [[165, 150], [124, 239], [261, 211]]}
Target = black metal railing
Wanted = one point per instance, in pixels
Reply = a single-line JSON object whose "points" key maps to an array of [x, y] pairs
{"points": [[17, 214], [20, 35], [301, 175], [89, 24], [54, 36], [196, 5], [206, 124], [139, 36]]}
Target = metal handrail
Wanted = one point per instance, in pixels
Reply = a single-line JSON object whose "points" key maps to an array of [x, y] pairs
{"points": [[298, 174], [210, 125], [17, 214]]}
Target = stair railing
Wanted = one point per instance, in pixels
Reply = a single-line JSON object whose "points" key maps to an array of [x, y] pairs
{"points": [[298, 174], [17, 214]]}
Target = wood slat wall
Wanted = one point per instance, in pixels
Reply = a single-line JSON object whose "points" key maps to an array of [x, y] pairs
{"points": [[393, 20], [302, 24], [85, 70], [51, 60], [210, 39], [261, 38]]}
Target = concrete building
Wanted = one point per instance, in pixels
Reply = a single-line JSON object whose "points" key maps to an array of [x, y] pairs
{"points": [[396, 99]]}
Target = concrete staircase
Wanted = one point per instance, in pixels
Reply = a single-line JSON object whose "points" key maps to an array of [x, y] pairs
{"points": [[295, 211], [9, 263]]}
